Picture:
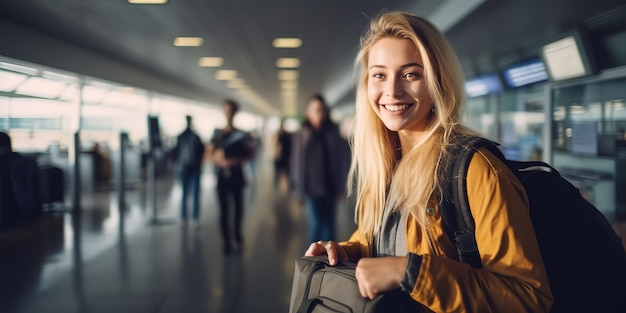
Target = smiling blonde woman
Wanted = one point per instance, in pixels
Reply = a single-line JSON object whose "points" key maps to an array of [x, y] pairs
{"points": [[409, 99]]}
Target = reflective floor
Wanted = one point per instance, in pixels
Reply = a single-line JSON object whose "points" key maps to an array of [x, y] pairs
{"points": [[142, 259]]}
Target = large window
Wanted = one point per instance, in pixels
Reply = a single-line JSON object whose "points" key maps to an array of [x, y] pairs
{"points": [[42, 108], [513, 118], [589, 120]]}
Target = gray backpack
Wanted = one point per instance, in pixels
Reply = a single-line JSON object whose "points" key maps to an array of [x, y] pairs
{"points": [[319, 287]]}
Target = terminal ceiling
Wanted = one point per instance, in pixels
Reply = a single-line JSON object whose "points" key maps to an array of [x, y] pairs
{"points": [[133, 44]]}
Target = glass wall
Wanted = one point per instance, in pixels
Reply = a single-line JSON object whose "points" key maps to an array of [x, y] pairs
{"points": [[513, 118], [480, 115], [43, 109], [589, 121], [521, 123], [41, 106], [587, 137]]}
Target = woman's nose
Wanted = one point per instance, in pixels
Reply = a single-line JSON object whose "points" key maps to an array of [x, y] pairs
{"points": [[394, 88]]}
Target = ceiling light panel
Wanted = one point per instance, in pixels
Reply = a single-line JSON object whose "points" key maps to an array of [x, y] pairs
{"points": [[289, 93], [147, 1], [225, 75], [287, 43], [288, 63], [288, 75], [188, 41], [289, 84], [210, 62]]}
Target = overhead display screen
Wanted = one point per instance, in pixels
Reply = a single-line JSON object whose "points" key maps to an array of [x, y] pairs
{"points": [[525, 73], [483, 85], [566, 58]]}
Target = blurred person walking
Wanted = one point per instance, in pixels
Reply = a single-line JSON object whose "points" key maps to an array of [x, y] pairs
{"points": [[229, 149], [319, 168], [282, 152], [188, 155]]}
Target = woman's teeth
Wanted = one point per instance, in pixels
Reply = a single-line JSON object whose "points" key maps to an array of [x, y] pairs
{"points": [[396, 107]]}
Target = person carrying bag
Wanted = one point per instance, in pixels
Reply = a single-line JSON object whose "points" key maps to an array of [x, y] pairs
{"points": [[409, 101]]}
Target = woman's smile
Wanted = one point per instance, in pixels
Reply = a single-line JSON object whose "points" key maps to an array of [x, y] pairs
{"points": [[397, 108]]}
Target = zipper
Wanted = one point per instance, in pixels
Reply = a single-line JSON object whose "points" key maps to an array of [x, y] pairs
{"points": [[318, 266]]}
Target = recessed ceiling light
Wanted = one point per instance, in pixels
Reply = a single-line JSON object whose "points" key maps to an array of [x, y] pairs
{"points": [[289, 93], [289, 84], [288, 63], [210, 62], [225, 74], [147, 1], [188, 41], [288, 75], [287, 43]]}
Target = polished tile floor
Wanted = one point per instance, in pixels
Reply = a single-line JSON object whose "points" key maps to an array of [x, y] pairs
{"points": [[138, 259]]}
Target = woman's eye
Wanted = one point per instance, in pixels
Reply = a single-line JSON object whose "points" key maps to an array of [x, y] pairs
{"points": [[410, 75], [378, 76]]}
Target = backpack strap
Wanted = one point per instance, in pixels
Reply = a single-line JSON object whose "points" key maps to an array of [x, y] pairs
{"points": [[455, 209]]}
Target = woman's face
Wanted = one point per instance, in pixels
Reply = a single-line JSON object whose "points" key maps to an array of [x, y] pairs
{"points": [[315, 112], [396, 86]]}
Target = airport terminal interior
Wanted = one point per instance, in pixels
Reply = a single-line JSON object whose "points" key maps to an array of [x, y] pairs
{"points": [[101, 127], [141, 258]]}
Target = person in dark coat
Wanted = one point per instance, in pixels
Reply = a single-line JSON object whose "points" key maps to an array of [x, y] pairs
{"points": [[319, 168]]}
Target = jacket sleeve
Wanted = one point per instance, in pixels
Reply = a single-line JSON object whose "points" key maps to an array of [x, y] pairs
{"points": [[513, 277], [356, 247]]}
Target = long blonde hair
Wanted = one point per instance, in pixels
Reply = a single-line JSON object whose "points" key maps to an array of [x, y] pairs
{"points": [[380, 174]]}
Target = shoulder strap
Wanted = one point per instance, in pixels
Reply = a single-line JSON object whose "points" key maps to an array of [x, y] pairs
{"points": [[455, 212]]}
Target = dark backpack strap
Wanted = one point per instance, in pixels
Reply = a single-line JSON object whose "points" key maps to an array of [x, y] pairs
{"points": [[455, 212]]}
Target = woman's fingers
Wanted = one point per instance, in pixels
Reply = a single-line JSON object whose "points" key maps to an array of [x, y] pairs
{"points": [[334, 251], [315, 249], [330, 248]]}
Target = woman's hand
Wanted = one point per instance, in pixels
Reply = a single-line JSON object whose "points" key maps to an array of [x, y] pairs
{"points": [[331, 248], [377, 275]]}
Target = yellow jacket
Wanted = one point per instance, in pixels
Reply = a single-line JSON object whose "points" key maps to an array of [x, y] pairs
{"points": [[513, 277]]}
